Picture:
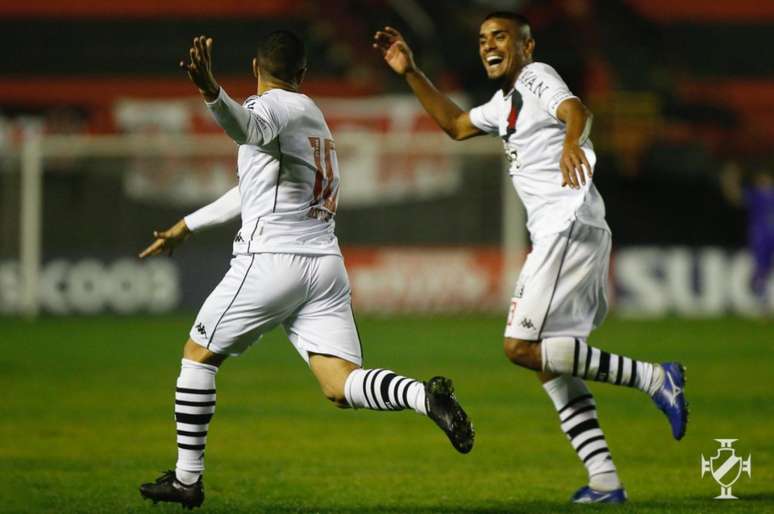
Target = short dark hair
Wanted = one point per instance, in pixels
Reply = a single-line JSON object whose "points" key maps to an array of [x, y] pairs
{"points": [[282, 54], [520, 19]]}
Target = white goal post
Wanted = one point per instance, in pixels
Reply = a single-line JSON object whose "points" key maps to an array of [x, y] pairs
{"points": [[37, 147]]}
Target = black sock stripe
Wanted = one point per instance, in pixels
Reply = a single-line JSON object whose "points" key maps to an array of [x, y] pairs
{"points": [[192, 434], [581, 427], [365, 389], [373, 388], [194, 391], [385, 387], [589, 354], [193, 419], [399, 398], [589, 441], [405, 393], [604, 449], [579, 411], [633, 378], [574, 401], [190, 446], [194, 404], [619, 374], [575, 360], [604, 366]]}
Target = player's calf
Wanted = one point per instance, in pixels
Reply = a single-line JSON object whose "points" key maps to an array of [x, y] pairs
{"points": [[332, 373]]}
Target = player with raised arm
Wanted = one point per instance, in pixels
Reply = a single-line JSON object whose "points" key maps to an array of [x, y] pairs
{"points": [[560, 295], [287, 267]]}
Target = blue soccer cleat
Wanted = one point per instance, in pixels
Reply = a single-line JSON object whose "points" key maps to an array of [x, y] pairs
{"points": [[670, 398], [588, 495]]}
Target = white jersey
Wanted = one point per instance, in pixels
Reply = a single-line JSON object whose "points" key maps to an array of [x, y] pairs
{"points": [[525, 118], [288, 173]]}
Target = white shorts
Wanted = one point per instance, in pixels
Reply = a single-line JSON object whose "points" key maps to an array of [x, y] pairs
{"points": [[308, 294], [562, 288]]}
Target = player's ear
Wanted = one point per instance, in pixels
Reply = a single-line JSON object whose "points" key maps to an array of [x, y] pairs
{"points": [[529, 47], [300, 75], [256, 74]]}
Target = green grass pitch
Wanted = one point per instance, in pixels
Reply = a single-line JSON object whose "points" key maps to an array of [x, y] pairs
{"points": [[86, 416]]}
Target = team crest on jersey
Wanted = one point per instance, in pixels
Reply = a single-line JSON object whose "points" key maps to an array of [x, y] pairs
{"points": [[513, 115]]}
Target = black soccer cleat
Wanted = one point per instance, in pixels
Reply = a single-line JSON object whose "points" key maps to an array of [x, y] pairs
{"points": [[445, 410], [167, 488]]}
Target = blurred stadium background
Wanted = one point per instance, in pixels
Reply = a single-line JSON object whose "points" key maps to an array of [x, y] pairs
{"points": [[103, 139]]}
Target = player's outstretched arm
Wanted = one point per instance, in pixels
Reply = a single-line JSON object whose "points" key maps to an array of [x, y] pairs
{"points": [[167, 240], [199, 68], [573, 163], [398, 56], [224, 209], [240, 123]]}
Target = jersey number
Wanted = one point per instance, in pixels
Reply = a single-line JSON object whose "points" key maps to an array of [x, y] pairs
{"points": [[324, 192]]}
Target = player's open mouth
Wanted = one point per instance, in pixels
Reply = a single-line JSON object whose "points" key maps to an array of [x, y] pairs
{"points": [[492, 61]]}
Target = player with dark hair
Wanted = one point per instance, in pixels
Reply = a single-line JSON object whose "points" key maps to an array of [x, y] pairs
{"points": [[287, 267], [560, 295]]}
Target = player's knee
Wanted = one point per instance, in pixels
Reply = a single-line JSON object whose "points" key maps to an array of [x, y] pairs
{"points": [[197, 353], [335, 394], [523, 353]]}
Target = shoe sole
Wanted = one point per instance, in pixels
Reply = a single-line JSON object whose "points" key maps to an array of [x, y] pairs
{"points": [[684, 416], [188, 506], [462, 435]]}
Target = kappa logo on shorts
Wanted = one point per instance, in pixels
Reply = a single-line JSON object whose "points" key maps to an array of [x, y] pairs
{"points": [[200, 328], [238, 238], [527, 323]]}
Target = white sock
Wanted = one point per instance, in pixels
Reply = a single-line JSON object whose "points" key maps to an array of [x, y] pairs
{"points": [[382, 389], [572, 356], [194, 407], [578, 417]]}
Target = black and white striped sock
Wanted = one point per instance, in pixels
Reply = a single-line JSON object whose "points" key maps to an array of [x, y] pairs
{"points": [[572, 356], [382, 389], [578, 418], [194, 407]]}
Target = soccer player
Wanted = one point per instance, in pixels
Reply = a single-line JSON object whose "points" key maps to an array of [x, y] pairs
{"points": [[287, 267], [560, 295]]}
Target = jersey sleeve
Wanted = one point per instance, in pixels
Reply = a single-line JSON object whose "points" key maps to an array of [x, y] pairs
{"points": [[257, 122], [486, 116], [547, 86], [224, 209]]}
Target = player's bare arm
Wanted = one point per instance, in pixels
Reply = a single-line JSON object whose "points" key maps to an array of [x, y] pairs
{"points": [[577, 119], [199, 68], [398, 56], [167, 240]]}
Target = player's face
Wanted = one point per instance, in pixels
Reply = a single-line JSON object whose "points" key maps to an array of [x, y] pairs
{"points": [[503, 49]]}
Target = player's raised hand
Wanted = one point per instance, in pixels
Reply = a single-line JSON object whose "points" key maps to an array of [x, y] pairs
{"points": [[574, 166], [199, 67], [167, 240], [395, 50]]}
